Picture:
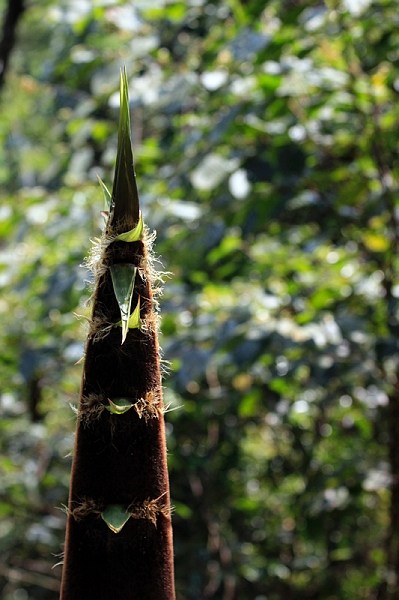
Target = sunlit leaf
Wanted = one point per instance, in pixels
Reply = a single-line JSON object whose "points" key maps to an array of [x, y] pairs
{"points": [[376, 242], [134, 319], [134, 234], [124, 192], [118, 406]]}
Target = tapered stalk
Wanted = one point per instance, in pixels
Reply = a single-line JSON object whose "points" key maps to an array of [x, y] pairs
{"points": [[120, 459]]}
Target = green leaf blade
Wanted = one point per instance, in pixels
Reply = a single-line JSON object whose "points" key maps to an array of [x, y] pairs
{"points": [[123, 277], [134, 319], [115, 517], [118, 406], [135, 234], [106, 192]]}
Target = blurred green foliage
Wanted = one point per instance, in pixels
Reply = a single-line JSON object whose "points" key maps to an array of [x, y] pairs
{"points": [[266, 149]]}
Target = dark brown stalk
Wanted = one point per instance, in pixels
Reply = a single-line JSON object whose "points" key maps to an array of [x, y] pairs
{"points": [[120, 459], [390, 588]]}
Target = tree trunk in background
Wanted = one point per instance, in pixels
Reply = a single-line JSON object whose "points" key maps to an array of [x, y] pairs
{"points": [[120, 459], [389, 348], [15, 9], [393, 542]]}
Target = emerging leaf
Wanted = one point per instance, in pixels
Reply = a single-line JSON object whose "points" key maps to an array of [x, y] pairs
{"points": [[125, 196], [123, 276], [115, 517], [118, 406], [106, 192], [134, 234], [134, 319]]}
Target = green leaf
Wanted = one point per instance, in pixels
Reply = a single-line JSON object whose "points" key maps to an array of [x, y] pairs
{"points": [[118, 406], [134, 319], [123, 276], [126, 208], [115, 517], [106, 192], [134, 234]]}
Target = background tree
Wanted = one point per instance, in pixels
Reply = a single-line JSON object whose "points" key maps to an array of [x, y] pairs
{"points": [[11, 17], [266, 147]]}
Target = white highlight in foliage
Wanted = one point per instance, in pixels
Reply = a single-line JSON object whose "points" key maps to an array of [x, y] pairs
{"points": [[80, 55], [239, 184], [211, 171], [356, 7], [213, 80], [300, 406], [243, 86], [336, 497], [271, 67], [183, 209], [5, 212], [124, 17], [377, 479], [297, 133]]}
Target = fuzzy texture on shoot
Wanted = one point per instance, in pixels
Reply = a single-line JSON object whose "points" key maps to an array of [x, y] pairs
{"points": [[119, 459]]}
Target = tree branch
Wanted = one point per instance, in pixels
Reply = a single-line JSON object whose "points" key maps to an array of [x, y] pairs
{"points": [[14, 11]]}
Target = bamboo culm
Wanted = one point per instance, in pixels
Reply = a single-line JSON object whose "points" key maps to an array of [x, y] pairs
{"points": [[119, 535]]}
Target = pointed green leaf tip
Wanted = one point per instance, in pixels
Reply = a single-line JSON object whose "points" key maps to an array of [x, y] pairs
{"points": [[115, 517], [118, 406], [123, 276], [134, 319], [134, 234], [126, 208]]}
